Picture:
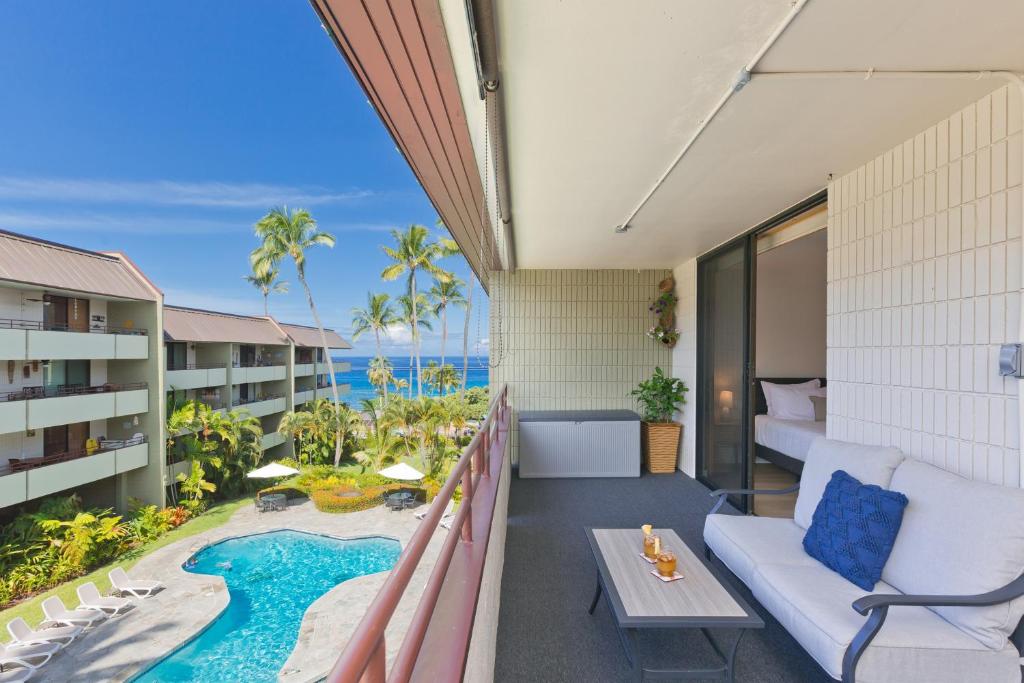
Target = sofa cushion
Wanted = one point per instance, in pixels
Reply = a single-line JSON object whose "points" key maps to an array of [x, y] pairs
{"points": [[915, 644], [854, 528], [867, 464], [742, 542], [959, 537]]}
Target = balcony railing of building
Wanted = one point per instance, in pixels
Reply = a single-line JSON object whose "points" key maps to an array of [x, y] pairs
{"points": [[22, 464], [437, 641], [197, 366], [258, 364], [256, 399], [41, 326], [29, 393]]}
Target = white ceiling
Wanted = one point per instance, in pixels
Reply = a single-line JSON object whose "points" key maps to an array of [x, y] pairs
{"points": [[601, 97]]}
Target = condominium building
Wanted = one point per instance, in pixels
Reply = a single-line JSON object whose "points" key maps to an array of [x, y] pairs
{"points": [[245, 362], [85, 380], [80, 387]]}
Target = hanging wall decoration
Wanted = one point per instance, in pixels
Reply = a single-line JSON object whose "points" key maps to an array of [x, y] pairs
{"points": [[665, 308]]}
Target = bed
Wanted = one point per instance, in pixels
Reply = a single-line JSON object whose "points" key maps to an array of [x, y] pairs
{"points": [[783, 443]]}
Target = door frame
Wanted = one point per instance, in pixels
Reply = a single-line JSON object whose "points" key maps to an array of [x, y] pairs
{"points": [[749, 240]]}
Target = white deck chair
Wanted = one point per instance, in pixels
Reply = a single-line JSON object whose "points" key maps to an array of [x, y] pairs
{"points": [[421, 514], [90, 597], [16, 675], [139, 588], [55, 612], [22, 633], [28, 656]]}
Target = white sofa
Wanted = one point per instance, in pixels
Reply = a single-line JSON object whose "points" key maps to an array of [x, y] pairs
{"points": [[950, 594]]}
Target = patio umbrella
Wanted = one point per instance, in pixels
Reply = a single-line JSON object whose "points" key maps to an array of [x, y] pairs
{"points": [[401, 471], [272, 471]]}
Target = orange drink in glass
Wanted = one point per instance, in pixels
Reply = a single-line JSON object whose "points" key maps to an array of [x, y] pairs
{"points": [[666, 563]]}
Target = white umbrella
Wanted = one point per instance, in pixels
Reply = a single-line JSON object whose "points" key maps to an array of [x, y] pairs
{"points": [[272, 471], [401, 471]]}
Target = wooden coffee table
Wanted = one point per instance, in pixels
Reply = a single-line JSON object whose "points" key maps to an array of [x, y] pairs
{"points": [[701, 600]]}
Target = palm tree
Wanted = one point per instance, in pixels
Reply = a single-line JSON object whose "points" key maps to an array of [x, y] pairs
{"points": [[412, 318], [443, 294], [290, 234], [381, 373], [450, 248], [413, 252], [297, 425], [377, 317], [379, 448], [268, 284], [446, 378]]}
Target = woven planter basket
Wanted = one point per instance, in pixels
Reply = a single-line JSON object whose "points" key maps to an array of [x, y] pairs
{"points": [[661, 446]]}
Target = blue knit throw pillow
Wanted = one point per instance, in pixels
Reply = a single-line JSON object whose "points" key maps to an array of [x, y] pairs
{"points": [[854, 527]]}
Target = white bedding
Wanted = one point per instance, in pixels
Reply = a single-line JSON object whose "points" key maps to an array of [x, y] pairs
{"points": [[790, 437]]}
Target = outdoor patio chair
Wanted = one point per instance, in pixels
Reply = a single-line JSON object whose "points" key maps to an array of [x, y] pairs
{"points": [[56, 613], [421, 514], [27, 656], [22, 634], [140, 588], [90, 597]]}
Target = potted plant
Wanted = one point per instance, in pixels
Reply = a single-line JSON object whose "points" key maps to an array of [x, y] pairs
{"points": [[659, 398]]}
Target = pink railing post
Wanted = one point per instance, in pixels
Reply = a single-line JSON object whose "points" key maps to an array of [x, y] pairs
{"points": [[376, 670], [467, 500]]}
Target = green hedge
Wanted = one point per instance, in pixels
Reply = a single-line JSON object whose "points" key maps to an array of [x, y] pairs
{"points": [[289, 491], [339, 499]]}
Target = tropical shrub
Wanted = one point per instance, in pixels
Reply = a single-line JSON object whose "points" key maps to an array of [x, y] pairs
{"points": [[339, 499], [289, 491]]}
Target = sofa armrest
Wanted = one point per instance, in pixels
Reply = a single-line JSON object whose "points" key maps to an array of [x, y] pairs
{"points": [[723, 494], [876, 608]]}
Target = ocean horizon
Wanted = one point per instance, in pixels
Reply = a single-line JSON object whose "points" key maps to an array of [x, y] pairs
{"points": [[477, 376]]}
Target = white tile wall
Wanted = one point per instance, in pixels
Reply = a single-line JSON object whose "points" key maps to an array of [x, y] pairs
{"points": [[924, 283], [573, 339]]}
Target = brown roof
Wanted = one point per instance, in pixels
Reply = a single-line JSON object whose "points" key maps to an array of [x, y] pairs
{"points": [[49, 265], [304, 335], [193, 324]]}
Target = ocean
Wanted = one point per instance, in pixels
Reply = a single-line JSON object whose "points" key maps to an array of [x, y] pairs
{"points": [[361, 387]]}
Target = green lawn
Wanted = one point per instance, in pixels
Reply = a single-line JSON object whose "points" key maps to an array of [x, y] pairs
{"points": [[31, 609]]}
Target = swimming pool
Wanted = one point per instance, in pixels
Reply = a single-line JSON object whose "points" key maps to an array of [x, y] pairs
{"points": [[272, 579]]}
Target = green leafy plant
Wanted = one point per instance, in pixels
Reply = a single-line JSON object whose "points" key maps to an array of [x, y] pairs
{"points": [[660, 396]]}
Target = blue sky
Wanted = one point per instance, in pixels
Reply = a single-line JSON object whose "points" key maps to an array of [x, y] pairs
{"points": [[165, 130]]}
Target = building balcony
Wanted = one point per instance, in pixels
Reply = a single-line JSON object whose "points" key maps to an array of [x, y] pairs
{"points": [[23, 479], [263, 405], [39, 407], [324, 391], [304, 369], [301, 397], [258, 373], [196, 376], [272, 439], [35, 340]]}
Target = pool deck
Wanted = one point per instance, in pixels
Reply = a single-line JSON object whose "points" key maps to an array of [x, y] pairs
{"points": [[122, 647]]}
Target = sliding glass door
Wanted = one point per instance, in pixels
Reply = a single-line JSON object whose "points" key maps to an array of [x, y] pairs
{"points": [[724, 356]]}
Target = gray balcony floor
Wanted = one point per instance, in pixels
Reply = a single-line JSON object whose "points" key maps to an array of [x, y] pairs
{"points": [[544, 631]]}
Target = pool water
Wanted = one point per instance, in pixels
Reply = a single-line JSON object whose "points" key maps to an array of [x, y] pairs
{"points": [[272, 579]]}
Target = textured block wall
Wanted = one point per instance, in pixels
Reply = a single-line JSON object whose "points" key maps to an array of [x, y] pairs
{"points": [[573, 339], [924, 279]]}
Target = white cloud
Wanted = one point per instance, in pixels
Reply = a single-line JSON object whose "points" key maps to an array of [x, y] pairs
{"points": [[170, 192], [398, 335]]}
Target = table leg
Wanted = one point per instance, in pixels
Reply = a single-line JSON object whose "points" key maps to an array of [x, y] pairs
{"points": [[730, 664], [597, 596]]}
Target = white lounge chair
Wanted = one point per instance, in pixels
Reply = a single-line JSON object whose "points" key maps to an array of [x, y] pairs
{"points": [[22, 633], [56, 613], [27, 656], [139, 588], [421, 514], [16, 675], [90, 597]]}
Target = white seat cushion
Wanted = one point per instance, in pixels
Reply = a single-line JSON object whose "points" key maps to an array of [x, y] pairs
{"points": [[868, 464], [959, 537], [743, 542], [813, 603]]}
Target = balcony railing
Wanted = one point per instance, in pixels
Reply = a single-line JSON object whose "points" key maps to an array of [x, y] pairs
{"points": [[259, 364], [438, 653], [265, 397], [29, 393], [40, 326], [22, 464], [197, 366]]}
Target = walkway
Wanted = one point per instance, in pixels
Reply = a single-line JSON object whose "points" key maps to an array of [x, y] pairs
{"points": [[122, 647]]}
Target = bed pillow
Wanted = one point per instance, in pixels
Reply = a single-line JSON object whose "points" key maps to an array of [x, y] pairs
{"points": [[854, 529], [793, 402], [771, 390]]}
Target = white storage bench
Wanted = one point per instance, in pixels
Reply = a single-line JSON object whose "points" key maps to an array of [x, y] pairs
{"points": [[579, 443]]}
